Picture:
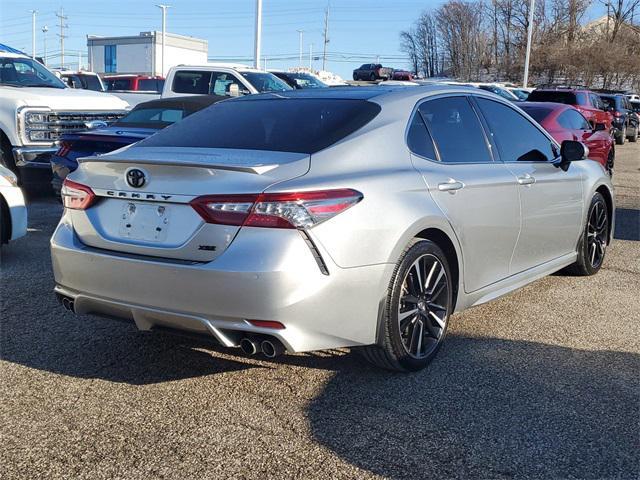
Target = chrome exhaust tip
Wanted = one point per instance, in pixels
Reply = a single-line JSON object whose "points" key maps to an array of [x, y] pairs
{"points": [[272, 348], [68, 304], [249, 346]]}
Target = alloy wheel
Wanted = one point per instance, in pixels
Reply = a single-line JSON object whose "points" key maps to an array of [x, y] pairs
{"points": [[423, 309], [597, 230]]}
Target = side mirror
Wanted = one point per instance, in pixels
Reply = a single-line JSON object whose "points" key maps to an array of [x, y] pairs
{"points": [[600, 127], [571, 151], [234, 90]]}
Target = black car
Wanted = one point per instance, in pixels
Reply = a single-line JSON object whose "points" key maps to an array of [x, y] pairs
{"points": [[625, 121], [300, 80], [372, 71], [141, 122]]}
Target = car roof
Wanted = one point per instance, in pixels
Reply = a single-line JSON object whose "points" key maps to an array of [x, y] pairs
{"points": [[189, 103], [551, 106]]}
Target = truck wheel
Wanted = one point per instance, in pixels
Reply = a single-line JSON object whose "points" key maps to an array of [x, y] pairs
{"points": [[634, 138], [622, 137], [355, 77], [6, 155]]}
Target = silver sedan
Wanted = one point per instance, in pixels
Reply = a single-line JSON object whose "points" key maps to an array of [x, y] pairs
{"points": [[351, 217]]}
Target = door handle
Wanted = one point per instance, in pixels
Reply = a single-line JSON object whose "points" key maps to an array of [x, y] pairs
{"points": [[450, 186], [526, 180]]}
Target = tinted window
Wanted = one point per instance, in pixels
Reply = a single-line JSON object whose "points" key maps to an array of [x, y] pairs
{"points": [[195, 82], [151, 117], [456, 130], [286, 125], [119, 84], [572, 120], [149, 85], [516, 137], [221, 83], [567, 98], [537, 113], [418, 138], [265, 82]]}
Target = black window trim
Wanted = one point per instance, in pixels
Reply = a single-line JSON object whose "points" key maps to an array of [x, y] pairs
{"points": [[416, 109], [553, 142]]}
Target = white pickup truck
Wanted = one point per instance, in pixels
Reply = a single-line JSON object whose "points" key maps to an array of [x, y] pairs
{"points": [[36, 107]]}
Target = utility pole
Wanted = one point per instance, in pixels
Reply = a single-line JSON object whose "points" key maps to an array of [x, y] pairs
{"points": [[164, 33], [79, 60], [301, 34], [525, 80], [33, 33], [258, 37], [45, 29], [326, 37], [62, 36], [311, 56]]}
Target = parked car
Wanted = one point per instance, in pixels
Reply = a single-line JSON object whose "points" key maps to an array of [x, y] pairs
{"points": [[300, 80], [83, 80], [13, 212], [498, 90], [144, 120], [633, 97], [220, 79], [402, 75], [36, 108], [565, 122], [363, 229], [521, 93], [588, 102], [625, 124], [133, 83], [372, 71]]}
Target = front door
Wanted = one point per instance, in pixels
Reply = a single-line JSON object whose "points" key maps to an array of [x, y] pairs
{"points": [[550, 198]]}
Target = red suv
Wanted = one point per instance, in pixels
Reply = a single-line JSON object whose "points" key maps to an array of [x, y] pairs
{"points": [[135, 83], [586, 101]]}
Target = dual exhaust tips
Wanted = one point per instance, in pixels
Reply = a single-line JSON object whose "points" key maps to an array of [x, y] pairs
{"points": [[67, 302], [270, 347]]}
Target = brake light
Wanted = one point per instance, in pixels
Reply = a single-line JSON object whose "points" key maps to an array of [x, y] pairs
{"points": [[65, 148], [617, 114], [76, 196], [276, 210]]}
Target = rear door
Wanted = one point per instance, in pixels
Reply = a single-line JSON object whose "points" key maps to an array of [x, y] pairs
{"points": [[550, 198], [478, 195]]}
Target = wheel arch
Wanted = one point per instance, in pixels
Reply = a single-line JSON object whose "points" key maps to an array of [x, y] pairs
{"points": [[7, 223]]}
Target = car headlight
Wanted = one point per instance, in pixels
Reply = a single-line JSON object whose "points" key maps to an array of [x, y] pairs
{"points": [[35, 118], [10, 177]]}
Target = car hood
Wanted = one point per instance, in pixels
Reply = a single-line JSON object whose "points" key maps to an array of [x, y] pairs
{"points": [[61, 98]]}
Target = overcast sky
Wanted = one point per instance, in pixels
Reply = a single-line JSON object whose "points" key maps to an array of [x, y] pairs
{"points": [[359, 30]]}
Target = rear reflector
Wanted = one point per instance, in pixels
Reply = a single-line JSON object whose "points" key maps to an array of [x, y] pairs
{"points": [[276, 210], [76, 196], [267, 324]]}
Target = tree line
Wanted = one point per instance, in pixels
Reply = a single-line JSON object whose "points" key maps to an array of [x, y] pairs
{"points": [[485, 40]]}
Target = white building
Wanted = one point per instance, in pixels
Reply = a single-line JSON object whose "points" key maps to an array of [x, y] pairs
{"points": [[142, 54]]}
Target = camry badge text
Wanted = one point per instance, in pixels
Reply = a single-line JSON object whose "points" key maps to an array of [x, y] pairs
{"points": [[142, 196]]}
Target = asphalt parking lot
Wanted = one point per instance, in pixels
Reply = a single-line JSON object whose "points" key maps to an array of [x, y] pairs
{"points": [[544, 383]]}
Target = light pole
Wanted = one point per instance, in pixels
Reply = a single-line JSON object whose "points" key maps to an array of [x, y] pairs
{"points": [[311, 56], [258, 37], [525, 80], [164, 32], [33, 33], [45, 29], [301, 34]]}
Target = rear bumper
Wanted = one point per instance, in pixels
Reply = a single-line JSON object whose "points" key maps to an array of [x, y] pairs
{"points": [[33, 157], [263, 275]]}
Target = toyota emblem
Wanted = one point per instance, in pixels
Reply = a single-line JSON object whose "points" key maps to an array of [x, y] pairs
{"points": [[136, 178]]}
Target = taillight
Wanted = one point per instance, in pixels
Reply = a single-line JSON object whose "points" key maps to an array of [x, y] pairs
{"points": [[617, 114], [77, 196], [65, 148], [276, 210]]}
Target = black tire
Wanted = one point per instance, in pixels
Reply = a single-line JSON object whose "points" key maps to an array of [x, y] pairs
{"points": [[372, 77], [393, 353], [6, 154], [622, 137], [634, 138], [355, 77], [594, 239], [611, 158]]}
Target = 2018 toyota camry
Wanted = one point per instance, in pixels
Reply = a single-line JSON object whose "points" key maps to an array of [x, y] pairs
{"points": [[354, 217]]}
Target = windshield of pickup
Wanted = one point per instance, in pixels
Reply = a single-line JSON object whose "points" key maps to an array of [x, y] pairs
{"points": [[25, 72], [265, 82]]}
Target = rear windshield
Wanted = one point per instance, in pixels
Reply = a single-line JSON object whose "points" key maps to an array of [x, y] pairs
{"points": [[285, 125], [150, 84], [537, 113], [119, 84], [568, 98], [151, 117]]}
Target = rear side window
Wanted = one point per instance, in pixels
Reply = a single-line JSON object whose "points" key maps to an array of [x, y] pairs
{"points": [[418, 138], [572, 120], [119, 84], [195, 82], [149, 85], [285, 125], [516, 137], [568, 98], [456, 130]]}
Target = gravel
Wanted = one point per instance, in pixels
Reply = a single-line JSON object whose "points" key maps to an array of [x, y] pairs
{"points": [[544, 383]]}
